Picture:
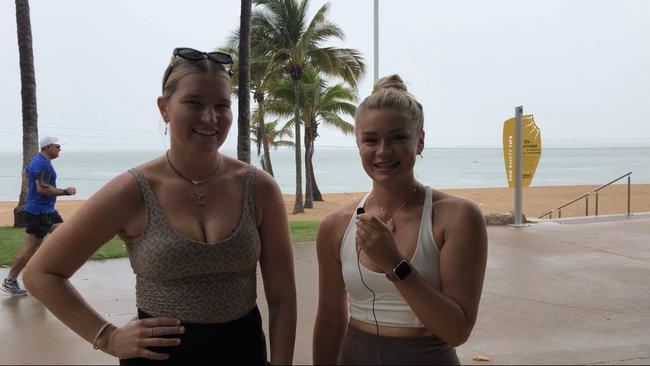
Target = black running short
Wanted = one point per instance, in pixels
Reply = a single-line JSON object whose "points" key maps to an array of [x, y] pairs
{"points": [[41, 224]]}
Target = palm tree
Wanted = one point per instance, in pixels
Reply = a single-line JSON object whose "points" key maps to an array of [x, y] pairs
{"points": [[292, 42], [28, 98], [260, 131], [262, 77], [319, 103], [243, 96], [274, 138], [324, 106]]}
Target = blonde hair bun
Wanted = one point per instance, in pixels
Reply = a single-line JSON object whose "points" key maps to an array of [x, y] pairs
{"points": [[389, 82], [391, 92]]}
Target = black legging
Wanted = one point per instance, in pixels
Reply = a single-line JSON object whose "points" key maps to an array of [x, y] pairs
{"points": [[240, 341]]}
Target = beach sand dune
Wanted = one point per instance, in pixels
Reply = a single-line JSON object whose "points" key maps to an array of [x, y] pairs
{"points": [[536, 201]]}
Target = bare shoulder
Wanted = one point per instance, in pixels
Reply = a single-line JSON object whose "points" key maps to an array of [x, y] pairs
{"points": [[339, 218], [113, 207], [124, 186], [236, 171], [456, 212], [332, 228], [269, 204], [265, 183], [124, 191], [152, 170]]}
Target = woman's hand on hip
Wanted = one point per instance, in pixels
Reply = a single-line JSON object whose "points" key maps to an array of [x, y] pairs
{"points": [[132, 340]]}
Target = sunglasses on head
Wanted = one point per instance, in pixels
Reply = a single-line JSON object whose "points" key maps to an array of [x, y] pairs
{"points": [[191, 54], [194, 55]]}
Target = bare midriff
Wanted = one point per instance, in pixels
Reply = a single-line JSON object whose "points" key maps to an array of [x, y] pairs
{"points": [[388, 331]]}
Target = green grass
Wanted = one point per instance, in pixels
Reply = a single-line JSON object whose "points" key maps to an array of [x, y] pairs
{"points": [[11, 240], [303, 230]]}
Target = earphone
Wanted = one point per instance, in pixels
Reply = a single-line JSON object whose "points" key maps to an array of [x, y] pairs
{"points": [[361, 210]]}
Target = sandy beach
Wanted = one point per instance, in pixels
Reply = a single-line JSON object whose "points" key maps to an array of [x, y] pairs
{"points": [[536, 201]]}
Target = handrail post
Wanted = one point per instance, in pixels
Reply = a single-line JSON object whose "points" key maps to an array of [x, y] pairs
{"points": [[628, 195], [559, 214], [596, 203], [587, 206]]}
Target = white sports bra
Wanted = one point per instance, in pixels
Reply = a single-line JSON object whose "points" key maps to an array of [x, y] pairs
{"points": [[390, 307]]}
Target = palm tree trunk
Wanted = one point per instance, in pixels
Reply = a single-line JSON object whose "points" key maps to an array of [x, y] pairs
{"points": [[28, 98], [298, 206], [243, 95], [314, 186], [309, 199], [265, 140], [266, 156], [315, 192], [267, 152]]}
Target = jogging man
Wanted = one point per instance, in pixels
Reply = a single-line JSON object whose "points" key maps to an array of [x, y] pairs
{"points": [[40, 216]]}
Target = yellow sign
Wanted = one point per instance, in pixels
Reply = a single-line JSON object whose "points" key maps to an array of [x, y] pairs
{"points": [[531, 149]]}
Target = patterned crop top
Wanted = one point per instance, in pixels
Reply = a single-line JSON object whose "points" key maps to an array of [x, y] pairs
{"points": [[190, 280]]}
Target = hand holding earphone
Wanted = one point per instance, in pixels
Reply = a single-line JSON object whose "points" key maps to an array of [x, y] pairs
{"points": [[377, 241]]}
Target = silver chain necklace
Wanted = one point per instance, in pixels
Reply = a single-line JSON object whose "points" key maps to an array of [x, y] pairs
{"points": [[390, 222]]}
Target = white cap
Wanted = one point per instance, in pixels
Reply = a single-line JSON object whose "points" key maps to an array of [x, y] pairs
{"points": [[48, 140]]}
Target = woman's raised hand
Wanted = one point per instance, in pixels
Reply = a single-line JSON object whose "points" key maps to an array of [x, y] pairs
{"points": [[377, 241]]}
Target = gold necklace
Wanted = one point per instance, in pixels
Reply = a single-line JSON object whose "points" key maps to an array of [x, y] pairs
{"points": [[390, 223], [198, 198]]}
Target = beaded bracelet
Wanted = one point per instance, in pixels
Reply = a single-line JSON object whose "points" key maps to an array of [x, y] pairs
{"points": [[101, 331]]}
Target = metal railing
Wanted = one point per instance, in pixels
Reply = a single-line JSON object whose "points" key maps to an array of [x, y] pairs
{"points": [[586, 197]]}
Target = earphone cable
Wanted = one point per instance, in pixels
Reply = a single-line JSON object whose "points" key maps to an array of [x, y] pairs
{"points": [[374, 315]]}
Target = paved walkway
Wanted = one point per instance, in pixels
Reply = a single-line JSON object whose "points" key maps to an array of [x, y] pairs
{"points": [[554, 294]]}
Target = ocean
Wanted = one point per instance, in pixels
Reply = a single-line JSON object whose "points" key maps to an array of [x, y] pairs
{"points": [[339, 169]]}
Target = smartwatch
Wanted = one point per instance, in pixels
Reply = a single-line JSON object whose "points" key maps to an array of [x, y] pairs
{"points": [[400, 272]]}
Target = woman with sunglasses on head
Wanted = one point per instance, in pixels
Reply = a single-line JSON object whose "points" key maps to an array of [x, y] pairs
{"points": [[195, 223], [401, 271]]}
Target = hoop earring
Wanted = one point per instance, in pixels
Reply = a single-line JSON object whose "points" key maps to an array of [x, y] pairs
{"points": [[166, 128]]}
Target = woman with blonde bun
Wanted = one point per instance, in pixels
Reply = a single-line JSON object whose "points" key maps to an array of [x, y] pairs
{"points": [[401, 271]]}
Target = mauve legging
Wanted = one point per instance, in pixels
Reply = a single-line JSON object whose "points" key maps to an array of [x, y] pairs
{"points": [[361, 348], [240, 341]]}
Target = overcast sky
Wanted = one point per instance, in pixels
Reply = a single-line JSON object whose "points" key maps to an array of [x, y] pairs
{"points": [[581, 67]]}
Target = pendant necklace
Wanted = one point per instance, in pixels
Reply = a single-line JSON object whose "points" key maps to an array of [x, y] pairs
{"points": [[198, 198], [390, 223]]}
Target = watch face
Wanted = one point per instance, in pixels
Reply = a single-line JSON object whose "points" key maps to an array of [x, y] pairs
{"points": [[402, 270]]}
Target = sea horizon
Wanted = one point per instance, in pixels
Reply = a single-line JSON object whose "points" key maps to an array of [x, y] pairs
{"points": [[338, 169]]}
